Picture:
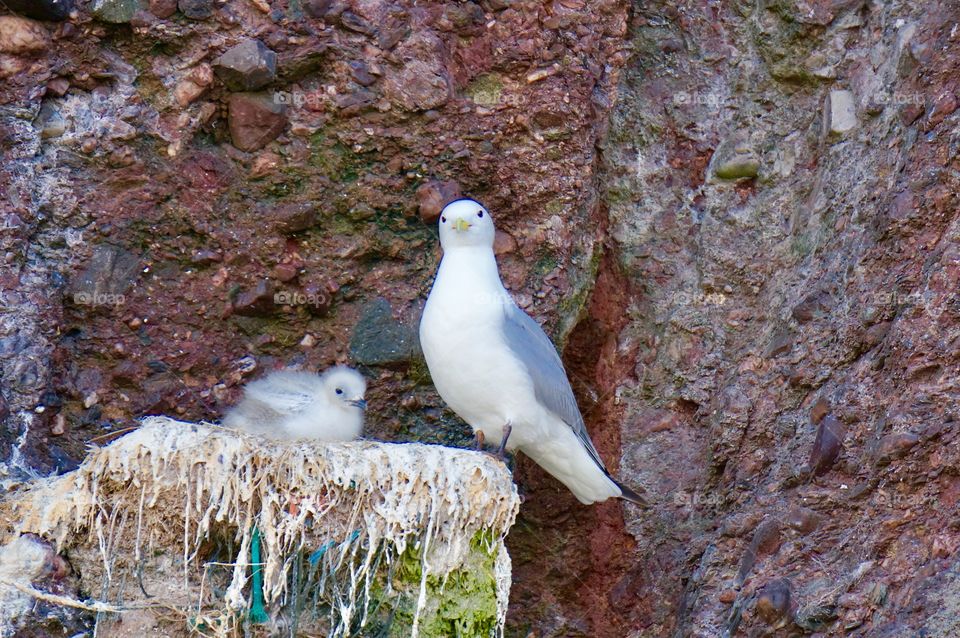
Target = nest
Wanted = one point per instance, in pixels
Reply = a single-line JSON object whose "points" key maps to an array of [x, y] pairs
{"points": [[360, 538]]}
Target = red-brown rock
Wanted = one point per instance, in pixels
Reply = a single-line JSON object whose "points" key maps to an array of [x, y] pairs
{"points": [[256, 119], [433, 195]]}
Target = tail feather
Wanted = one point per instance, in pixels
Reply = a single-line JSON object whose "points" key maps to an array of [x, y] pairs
{"points": [[628, 494]]}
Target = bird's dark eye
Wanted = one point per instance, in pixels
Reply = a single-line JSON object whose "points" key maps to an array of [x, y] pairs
{"points": [[480, 213], [339, 391], [443, 220]]}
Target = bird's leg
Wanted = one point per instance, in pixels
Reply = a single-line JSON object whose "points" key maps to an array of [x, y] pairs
{"points": [[501, 451], [478, 440]]}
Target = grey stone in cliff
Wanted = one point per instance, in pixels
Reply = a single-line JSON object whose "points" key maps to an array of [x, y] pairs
{"points": [[380, 340], [116, 11], [196, 9], [110, 273], [734, 160], [247, 66], [840, 112]]}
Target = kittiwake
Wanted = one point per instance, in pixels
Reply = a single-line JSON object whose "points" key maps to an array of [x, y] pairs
{"points": [[497, 369], [294, 404]]}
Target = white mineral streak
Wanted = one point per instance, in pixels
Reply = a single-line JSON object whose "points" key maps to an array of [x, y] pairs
{"points": [[369, 497]]}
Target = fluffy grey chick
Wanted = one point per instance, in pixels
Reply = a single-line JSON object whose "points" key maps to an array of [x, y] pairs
{"points": [[293, 404]]}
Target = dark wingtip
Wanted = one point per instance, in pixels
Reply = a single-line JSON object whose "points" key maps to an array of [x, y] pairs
{"points": [[627, 494]]}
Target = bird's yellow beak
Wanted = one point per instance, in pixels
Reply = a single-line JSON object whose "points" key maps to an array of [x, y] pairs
{"points": [[461, 225]]}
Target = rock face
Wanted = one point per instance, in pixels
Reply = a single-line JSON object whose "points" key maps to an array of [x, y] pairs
{"points": [[739, 220], [788, 332]]}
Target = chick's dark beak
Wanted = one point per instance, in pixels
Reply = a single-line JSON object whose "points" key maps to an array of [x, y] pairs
{"points": [[360, 403]]}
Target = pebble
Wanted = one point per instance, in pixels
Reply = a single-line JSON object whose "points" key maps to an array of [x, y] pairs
{"points": [[291, 218], [285, 272], [59, 427]]}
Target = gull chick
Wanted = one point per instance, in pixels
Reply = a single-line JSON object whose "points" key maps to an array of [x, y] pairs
{"points": [[293, 404], [497, 369]]}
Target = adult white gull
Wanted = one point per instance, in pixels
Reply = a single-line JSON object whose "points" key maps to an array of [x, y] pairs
{"points": [[497, 369]]}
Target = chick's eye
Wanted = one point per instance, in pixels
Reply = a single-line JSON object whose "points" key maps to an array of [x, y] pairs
{"points": [[339, 391], [480, 213], [443, 220]]}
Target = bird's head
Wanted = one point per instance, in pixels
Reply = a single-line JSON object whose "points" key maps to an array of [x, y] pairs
{"points": [[465, 222], [345, 387]]}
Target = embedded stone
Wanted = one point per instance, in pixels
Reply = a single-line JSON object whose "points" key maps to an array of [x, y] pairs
{"points": [[255, 120], [773, 601], [827, 446], [895, 446], [163, 8], [433, 195], [840, 112], [196, 9], [116, 11], [20, 36], [247, 66]]}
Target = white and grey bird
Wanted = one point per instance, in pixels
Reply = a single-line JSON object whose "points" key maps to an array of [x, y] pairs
{"points": [[294, 404], [497, 369]]}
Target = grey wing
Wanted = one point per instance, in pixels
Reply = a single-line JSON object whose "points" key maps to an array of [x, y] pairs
{"points": [[285, 392], [531, 345]]}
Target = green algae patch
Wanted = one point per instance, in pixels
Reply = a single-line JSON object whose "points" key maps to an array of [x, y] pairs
{"points": [[485, 90], [462, 604]]}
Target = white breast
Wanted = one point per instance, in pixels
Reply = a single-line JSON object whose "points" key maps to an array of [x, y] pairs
{"points": [[472, 368]]}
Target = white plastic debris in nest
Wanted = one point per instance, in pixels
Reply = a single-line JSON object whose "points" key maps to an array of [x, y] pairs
{"points": [[21, 561], [170, 483]]}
